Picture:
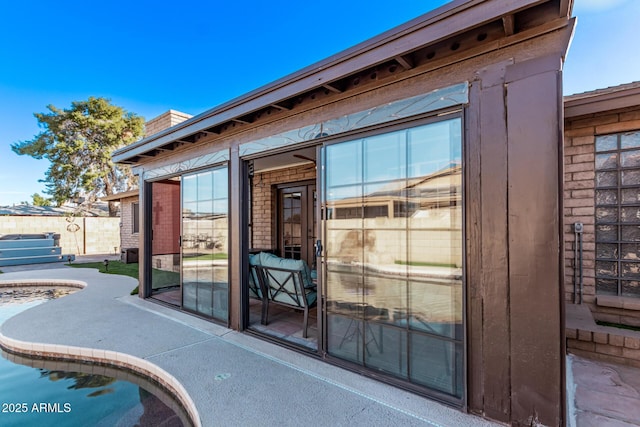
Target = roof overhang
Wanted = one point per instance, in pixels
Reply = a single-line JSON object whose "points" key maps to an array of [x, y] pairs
{"points": [[427, 41], [614, 98], [118, 196]]}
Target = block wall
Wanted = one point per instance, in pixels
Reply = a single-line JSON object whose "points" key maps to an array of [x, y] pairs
{"points": [[78, 235]]}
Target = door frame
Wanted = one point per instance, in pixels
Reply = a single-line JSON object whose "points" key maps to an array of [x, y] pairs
{"points": [[380, 129], [208, 168], [246, 242], [306, 187]]}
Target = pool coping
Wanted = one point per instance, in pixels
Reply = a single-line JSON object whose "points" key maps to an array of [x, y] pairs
{"points": [[257, 366], [104, 357]]}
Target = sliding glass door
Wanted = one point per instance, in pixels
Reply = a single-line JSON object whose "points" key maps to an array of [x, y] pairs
{"points": [[205, 274], [393, 254]]}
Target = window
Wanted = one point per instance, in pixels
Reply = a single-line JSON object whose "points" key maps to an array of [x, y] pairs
{"points": [[394, 251], [135, 217], [617, 209]]}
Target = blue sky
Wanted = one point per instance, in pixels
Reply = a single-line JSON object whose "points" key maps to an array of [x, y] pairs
{"points": [[149, 56]]}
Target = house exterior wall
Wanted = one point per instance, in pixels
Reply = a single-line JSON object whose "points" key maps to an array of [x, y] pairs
{"points": [[128, 238], [579, 200], [78, 235], [512, 232], [512, 128]]}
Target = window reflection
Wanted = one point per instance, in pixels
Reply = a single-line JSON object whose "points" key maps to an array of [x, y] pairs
{"points": [[394, 253], [204, 242]]}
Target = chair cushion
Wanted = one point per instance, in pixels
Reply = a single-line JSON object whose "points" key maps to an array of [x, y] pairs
{"points": [[254, 284], [270, 260], [287, 279]]}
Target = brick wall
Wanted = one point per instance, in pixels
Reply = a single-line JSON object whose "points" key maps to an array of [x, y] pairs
{"points": [[608, 344], [579, 194], [78, 235], [128, 239], [165, 218], [264, 201]]}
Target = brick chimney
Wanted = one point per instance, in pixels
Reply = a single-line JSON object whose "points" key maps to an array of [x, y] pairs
{"points": [[164, 121]]}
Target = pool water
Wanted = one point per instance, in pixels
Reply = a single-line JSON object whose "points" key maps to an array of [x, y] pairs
{"points": [[36, 392]]}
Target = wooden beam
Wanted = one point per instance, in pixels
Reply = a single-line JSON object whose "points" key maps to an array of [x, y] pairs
{"points": [[405, 62], [331, 87], [244, 122], [509, 25], [565, 8], [279, 107], [202, 134]]}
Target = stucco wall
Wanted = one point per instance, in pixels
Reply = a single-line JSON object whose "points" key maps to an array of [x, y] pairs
{"points": [[78, 235]]}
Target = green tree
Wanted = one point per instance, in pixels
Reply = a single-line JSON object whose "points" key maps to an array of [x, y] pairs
{"points": [[78, 142], [38, 200]]}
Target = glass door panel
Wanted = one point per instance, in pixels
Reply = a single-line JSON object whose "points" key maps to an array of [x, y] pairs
{"points": [[204, 240], [165, 240], [393, 253], [297, 222], [292, 224], [189, 241], [220, 243]]}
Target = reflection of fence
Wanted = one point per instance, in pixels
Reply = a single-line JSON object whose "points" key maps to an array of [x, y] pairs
{"points": [[93, 235], [203, 241], [205, 233]]}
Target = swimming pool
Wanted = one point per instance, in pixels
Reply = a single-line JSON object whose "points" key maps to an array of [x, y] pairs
{"points": [[47, 392]]}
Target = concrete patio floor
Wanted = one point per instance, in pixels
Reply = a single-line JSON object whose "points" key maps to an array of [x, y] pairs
{"points": [[231, 377], [604, 394], [236, 379]]}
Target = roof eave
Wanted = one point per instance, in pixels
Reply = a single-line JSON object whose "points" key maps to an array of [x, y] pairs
{"points": [[598, 101], [451, 19]]}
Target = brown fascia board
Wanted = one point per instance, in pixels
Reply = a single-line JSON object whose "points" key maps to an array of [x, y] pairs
{"points": [[119, 196], [446, 21], [602, 100]]}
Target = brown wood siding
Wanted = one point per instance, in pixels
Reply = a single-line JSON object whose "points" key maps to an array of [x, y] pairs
{"points": [[495, 250], [534, 242], [473, 221]]}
